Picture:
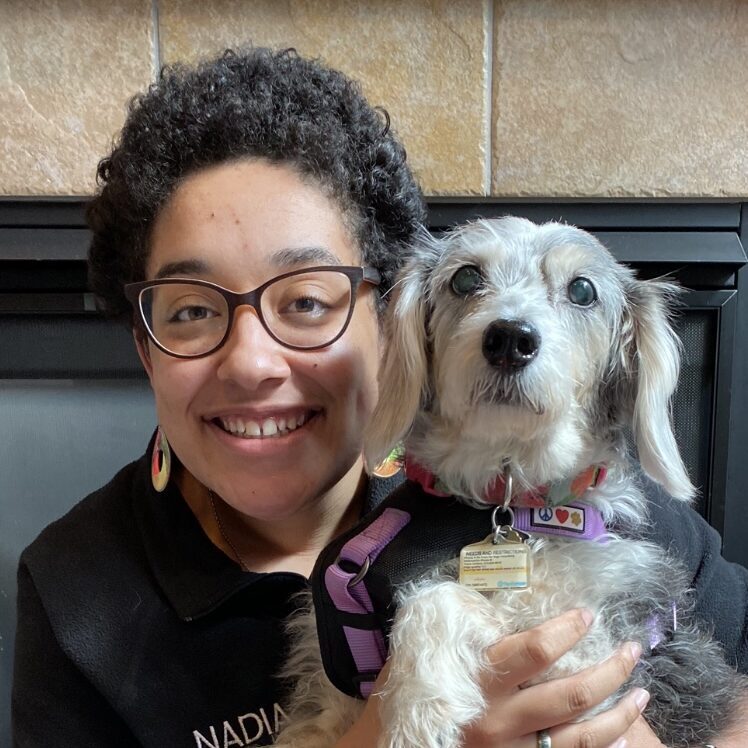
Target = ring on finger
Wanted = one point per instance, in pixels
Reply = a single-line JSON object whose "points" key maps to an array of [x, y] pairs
{"points": [[544, 739]]}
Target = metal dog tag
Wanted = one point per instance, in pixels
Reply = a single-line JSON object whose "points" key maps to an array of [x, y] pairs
{"points": [[500, 562]]}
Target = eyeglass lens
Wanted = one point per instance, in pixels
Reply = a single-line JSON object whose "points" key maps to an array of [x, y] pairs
{"points": [[307, 310]]}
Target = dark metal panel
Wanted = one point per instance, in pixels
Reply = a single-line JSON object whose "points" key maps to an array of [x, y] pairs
{"points": [[724, 303], [618, 214], [66, 346], [44, 243], [35, 276], [677, 247], [735, 534], [46, 303], [670, 215], [34, 211], [700, 277]]}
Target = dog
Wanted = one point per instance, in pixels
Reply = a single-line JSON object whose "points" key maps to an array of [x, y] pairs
{"points": [[518, 357]]}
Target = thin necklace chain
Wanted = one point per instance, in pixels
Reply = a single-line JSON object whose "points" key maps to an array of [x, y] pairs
{"points": [[222, 530]]}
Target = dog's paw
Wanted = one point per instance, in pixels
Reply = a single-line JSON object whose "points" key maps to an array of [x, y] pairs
{"points": [[438, 644]]}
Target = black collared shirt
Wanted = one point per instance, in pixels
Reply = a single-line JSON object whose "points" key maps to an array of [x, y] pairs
{"points": [[134, 629]]}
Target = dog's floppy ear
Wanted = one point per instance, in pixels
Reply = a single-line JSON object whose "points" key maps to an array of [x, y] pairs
{"points": [[403, 370], [651, 359]]}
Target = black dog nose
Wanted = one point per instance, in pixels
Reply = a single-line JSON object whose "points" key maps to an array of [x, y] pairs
{"points": [[510, 343]]}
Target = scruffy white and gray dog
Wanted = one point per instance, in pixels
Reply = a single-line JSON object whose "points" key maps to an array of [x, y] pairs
{"points": [[526, 351]]}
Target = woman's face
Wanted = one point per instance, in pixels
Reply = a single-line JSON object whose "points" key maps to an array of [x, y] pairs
{"points": [[239, 225]]}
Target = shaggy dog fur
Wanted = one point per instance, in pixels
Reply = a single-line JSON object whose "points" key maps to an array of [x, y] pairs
{"points": [[600, 368]]}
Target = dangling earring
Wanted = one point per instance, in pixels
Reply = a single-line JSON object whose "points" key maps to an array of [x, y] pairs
{"points": [[160, 461], [390, 465]]}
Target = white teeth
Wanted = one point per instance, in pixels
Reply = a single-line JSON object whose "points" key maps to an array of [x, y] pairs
{"points": [[270, 427]]}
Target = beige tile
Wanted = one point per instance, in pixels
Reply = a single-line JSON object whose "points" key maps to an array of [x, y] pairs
{"points": [[423, 60], [610, 98], [67, 69]]}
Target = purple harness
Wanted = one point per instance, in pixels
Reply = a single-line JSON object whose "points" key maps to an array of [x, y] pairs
{"points": [[345, 585], [356, 576], [348, 591]]}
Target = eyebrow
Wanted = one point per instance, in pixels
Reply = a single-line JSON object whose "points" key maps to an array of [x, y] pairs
{"points": [[284, 258], [293, 256], [182, 267]]}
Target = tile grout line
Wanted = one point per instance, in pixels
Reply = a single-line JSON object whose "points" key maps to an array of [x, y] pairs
{"points": [[155, 41], [488, 94]]}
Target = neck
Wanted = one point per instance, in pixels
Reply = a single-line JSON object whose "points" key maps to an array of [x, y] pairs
{"points": [[291, 543]]}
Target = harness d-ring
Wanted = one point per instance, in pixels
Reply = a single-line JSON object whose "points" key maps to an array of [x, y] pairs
{"points": [[360, 574]]}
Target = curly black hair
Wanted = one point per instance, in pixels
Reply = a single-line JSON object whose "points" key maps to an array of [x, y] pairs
{"points": [[253, 103]]}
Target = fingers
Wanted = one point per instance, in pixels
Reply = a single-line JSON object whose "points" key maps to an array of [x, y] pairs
{"points": [[568, 698], [521, 657], [604, 729]]}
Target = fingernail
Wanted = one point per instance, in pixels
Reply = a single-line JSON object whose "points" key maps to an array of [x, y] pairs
{"points": [[620, 743], [636, 650], [641, 698], [587, 617]]}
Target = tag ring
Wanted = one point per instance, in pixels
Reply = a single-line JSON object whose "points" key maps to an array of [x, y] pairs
{"points": [[508, 510], [507, 486], [500, 531]]}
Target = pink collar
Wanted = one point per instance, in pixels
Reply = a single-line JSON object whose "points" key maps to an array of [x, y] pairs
{"points": [[552, 494]]}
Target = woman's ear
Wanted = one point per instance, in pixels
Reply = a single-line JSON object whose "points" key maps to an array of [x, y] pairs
{"points": [[403, 370], [651, 356], [143, 349]]}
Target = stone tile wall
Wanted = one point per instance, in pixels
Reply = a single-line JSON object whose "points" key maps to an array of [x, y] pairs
{"points": [[67, 70], [597, 98]]}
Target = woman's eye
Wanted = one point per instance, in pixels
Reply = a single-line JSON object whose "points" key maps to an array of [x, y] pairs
{"points": [[306, 305], [466, 280], [193, 314], [582, 292]]}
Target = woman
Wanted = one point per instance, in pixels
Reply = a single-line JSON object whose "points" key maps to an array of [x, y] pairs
{"points": [[152, 613]]}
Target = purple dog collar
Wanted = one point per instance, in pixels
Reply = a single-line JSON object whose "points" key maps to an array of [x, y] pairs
{"points": [[578, 521], [348, 591]]}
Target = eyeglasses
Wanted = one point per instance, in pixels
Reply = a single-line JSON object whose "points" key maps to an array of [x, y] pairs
{"points": [[303, 310]]}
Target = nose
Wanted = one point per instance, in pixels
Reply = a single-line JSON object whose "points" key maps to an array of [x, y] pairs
{"points": [[250, 356], [510, 343]]}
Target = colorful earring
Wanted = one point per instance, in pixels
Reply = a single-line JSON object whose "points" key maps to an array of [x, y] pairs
{"points": [[160, 461], [391, 465]]}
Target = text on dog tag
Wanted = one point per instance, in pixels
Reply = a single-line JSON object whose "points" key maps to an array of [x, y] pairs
{"points": [[495, 566]]}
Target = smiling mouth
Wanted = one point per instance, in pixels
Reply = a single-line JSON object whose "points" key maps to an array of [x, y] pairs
{"points": [[267, 428]]}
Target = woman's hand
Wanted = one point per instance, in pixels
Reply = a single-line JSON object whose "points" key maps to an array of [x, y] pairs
{"points": [[514, 714]]}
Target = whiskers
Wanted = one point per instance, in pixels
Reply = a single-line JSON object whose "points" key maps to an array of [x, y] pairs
{"points": [[500, 390]]}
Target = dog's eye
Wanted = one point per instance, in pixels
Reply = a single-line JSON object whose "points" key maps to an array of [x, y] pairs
{"points": [[466, 280], [582, 292]]}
